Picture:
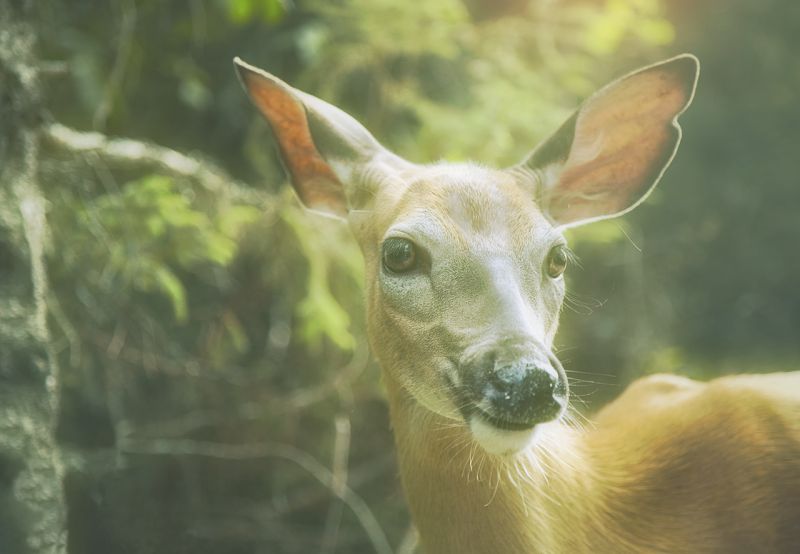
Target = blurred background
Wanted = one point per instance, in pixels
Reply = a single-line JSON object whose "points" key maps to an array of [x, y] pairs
{"points": [[206, 336]]}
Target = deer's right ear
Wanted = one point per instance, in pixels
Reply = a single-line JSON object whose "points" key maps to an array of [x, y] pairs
{"points": [[610, 154], [323, 149]]}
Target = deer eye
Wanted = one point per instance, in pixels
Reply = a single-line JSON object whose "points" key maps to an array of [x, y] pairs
{"points": [[556, 261], [399, 255]]}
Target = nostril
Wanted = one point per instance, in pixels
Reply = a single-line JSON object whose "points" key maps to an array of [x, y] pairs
{"points": [[529, 377], [507, 377], [523, 392], [538, 386], [541, 380]]}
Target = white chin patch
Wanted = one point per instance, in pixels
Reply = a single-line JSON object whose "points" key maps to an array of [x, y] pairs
{"points": [[500, 441]]}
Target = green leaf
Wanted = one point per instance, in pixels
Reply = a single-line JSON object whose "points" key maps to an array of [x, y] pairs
{"points": [[320, 313], [172, 286], [241, 11], [273, 11]]}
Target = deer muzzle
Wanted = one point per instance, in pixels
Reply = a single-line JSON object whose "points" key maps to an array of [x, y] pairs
{"points": [[513, 387]]}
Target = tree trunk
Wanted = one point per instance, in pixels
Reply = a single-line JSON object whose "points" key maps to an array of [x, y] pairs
{"points": [[32, 512]]}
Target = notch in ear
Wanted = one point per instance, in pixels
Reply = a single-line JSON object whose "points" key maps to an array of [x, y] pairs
{"points": [[608, 156], [322, 148]]}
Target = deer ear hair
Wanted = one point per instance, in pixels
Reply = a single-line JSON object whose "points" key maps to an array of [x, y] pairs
{"points": [[322, 148], [608, 156]]}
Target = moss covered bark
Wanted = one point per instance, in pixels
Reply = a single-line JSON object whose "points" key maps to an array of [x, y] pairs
{"points": [[32, 513]]}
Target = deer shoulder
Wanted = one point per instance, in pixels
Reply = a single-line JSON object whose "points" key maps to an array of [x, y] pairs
{"points": [[716, 464]]}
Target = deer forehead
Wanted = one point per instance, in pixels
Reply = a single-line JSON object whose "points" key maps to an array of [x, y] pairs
{"points": [[465, 207]]}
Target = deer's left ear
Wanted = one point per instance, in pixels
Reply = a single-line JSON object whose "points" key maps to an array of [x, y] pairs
{"points": [[610, 154], [325, 151]]}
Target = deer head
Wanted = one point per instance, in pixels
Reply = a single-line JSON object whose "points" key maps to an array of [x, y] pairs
{"points": [[465, 263]]}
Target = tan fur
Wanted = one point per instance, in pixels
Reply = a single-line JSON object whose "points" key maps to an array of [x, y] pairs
{"points": [[672, 466], [668, 467]]}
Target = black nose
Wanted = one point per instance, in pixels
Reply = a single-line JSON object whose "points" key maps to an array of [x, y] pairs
{"points": [[516, 395], [522, 393]]}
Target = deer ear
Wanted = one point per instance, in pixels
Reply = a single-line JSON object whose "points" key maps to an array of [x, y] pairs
{"points": [[322, 148], [607, 157]]}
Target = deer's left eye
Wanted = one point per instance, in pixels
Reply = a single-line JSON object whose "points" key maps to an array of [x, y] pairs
{"points": [[399, 255], [556, 261]]}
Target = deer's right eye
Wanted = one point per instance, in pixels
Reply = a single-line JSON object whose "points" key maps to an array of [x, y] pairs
{"points": [[557, 261], [399, 255]]}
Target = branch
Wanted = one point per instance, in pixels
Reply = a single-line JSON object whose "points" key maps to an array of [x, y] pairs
{"points": [[268, 450], [285, 402], [123, 151], [125, 44], [341, 458], [409, 542]]}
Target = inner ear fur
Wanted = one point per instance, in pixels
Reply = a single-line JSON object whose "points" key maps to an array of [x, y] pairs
{"points": [[322, 148], [607, 157]]}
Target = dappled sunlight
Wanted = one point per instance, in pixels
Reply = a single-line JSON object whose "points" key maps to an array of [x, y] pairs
{"points": [[197, 338]]}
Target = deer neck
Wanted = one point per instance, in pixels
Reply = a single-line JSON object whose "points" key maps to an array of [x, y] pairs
{"points": [[464, 500]]}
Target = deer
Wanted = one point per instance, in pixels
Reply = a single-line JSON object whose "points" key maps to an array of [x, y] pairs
{"points": [[464, 286]]}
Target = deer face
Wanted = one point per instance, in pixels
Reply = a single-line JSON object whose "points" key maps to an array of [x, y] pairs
{"points": [[465, 263], [465, 283]]}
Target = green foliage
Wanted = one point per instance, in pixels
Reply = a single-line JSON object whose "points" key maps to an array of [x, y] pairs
{"points": [[245, 11], [138, 238], [320, 313], [269, 297], [606, 31], [435, 85]]}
